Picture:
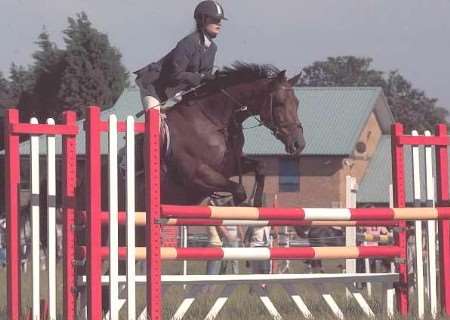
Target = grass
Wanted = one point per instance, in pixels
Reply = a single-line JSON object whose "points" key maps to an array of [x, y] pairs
{"points": [[241, 305]]}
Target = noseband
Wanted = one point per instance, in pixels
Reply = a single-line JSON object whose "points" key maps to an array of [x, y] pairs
{"points": [[272, 125]]}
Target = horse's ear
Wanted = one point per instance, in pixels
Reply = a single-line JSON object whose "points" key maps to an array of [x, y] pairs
{"points": [[281, 76], [278, 79], [294, 80]]}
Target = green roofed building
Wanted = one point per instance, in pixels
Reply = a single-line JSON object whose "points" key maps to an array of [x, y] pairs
{"points": [[342, 128]]}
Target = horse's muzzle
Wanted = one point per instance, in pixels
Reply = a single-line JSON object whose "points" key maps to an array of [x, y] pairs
{"points": [[296, 147]]}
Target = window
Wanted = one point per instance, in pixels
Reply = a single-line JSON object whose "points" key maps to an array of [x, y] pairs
{"points": [[289, 175]]}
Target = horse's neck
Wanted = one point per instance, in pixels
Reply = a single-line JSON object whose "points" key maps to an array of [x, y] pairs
{"points": [[218, 110], [243, 105], [223, 107], [250, 104]]}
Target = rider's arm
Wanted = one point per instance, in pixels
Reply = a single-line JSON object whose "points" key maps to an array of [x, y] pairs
{"points": [[181, 56]]}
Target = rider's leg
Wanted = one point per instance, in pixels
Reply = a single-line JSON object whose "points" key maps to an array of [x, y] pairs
{"points": [[149, 97], [149, 102]]}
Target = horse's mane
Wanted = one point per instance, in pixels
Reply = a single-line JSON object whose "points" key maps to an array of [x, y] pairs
{"points": [[237, 73], [240, 72]]}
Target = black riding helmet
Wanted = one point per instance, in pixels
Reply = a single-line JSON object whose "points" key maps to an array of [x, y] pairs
{"points": [[209, 8]]}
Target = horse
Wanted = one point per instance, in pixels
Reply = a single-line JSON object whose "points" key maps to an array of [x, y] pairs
{"points": [[207, 137]]}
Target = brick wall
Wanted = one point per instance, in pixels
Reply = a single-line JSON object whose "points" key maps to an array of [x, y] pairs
{"points": [[319, 182]]}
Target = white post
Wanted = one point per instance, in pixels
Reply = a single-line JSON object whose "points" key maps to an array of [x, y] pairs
{"points": [[131, 221], [390, 293], [431, 225], [51, 222], [184, 238], [113, 221], [418, 231], [367, 268], [35, 234], [350, 232], [283, 241]]}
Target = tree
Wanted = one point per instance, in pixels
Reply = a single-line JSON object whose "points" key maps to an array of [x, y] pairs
{"points": [[42, 101], [4, 102], [342, 71], [5, 92], [87, 71], [409, 105], [21, 80], [94, 74]]}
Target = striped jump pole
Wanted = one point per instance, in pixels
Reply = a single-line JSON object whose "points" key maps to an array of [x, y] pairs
{"points": [[304, 214], [263, 253], [275, 222], [140, 220]]}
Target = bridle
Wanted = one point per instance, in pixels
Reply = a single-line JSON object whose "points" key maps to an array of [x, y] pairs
{"points": [[269, 123]]}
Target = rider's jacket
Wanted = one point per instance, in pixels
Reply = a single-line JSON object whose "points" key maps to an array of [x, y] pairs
{"points": [[182, 68]]}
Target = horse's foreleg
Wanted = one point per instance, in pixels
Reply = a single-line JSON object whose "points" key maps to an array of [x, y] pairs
{"points": [[211, 181], [258, 197], [256, 166]]}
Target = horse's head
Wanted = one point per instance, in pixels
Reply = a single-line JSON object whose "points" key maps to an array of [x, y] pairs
{"points": [[280, 113], [266, 92]]}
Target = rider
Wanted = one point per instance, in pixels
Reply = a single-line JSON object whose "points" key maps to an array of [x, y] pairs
{"points": [[188, 64]]}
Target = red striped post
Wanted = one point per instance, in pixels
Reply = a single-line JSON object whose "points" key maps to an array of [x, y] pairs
{"points": [[398, 182], [93, 168], [444, 225], [153, 207], [69, 176], [12, 184]]}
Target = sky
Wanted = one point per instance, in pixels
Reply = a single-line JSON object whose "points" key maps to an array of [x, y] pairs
{"points": [[411, 36]]}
